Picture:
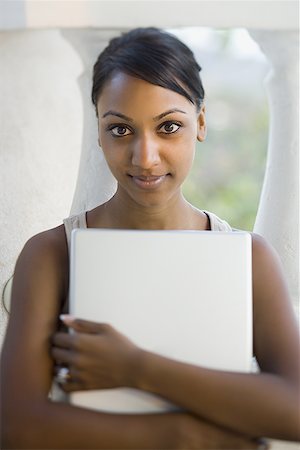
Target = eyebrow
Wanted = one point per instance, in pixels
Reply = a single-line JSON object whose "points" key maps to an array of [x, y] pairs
{"points": [[156, 118], [170, 111], [118, 114]]}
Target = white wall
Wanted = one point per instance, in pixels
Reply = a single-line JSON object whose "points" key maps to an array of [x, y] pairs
{"points": [[267, 14], [41, 129]]}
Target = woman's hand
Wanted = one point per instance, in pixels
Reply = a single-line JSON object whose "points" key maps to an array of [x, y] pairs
{"points": [[98, 356]]}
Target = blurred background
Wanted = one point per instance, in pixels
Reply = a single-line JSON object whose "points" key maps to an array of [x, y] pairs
{"points": [[229, 166]]}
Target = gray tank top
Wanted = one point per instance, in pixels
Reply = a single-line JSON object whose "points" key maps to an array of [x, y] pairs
{"points": [[79, 221]]}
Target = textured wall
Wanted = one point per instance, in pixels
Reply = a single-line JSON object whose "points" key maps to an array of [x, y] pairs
{"points": [[41, 131], [278, 213]]}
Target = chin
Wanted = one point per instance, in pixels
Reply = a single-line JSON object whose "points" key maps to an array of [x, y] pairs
{"points": [[149, 203], [152, 200]]}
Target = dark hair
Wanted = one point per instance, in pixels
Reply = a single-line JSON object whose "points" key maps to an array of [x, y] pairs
{"points": [[152, 55]]}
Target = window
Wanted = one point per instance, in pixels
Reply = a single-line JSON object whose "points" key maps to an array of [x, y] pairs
{"points": [[229, 166]]}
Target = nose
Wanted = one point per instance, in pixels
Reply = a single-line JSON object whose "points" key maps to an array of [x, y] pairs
{"points": [[145, 153]]}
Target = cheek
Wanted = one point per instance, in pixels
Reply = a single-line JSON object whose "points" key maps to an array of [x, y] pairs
{"points": [[187, 150], [116, 158], [113, 158], [109, 147]]}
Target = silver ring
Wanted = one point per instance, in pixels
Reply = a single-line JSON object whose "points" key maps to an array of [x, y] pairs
{"points": [[63, 375], [263, 444]]}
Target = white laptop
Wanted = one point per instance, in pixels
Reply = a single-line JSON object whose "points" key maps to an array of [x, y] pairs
{"points": [[186, 295]]}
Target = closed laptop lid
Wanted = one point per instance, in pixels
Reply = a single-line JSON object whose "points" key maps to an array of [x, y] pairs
{"points": [[186, 295]]}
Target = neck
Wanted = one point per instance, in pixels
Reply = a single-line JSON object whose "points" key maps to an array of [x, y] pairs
{"points": [[177, 213]]}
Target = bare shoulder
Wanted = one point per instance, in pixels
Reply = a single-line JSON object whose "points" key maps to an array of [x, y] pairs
{"points": [[42, 266], [267, 267], [269, 281], [261, 248], [53, 240], [47, 245]]}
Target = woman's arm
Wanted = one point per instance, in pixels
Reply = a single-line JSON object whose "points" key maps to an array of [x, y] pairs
{"points": [[29, 418], [265, 404]]}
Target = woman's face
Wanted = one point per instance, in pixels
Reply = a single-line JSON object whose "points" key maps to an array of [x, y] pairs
{"points": [[148, 135]]}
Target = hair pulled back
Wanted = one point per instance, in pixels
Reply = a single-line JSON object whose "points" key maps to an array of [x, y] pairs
{"points": [[152, 55]]}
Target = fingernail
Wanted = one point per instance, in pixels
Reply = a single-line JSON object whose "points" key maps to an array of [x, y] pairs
{"points": [[66, 317]]}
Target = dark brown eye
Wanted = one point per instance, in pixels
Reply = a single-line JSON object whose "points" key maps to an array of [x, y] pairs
{"points": [[170, 127], [120, 130]]}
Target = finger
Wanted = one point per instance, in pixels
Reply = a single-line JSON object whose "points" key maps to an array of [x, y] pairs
{"points": [[85, 326], [263, 444], [62, 356], [64, 340], [72, 386], [80, 325], [76, 375]]}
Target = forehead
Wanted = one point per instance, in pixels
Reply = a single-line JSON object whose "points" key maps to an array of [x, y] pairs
{"points": [[133, 96]]}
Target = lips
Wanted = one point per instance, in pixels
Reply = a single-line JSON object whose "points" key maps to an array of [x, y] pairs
{"points": [[148, 181]]}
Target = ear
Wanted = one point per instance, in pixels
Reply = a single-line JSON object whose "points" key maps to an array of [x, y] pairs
{"points": [[201, 125]]}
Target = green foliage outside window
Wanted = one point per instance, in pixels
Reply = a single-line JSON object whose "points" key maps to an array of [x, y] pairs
{"points": [[229, 165]]}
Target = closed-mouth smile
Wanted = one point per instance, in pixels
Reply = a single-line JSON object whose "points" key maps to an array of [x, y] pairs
{"points": [[148, 181]]}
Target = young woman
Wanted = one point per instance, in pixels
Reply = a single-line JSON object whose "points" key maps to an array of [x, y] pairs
{"points": [[150, 107]]}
